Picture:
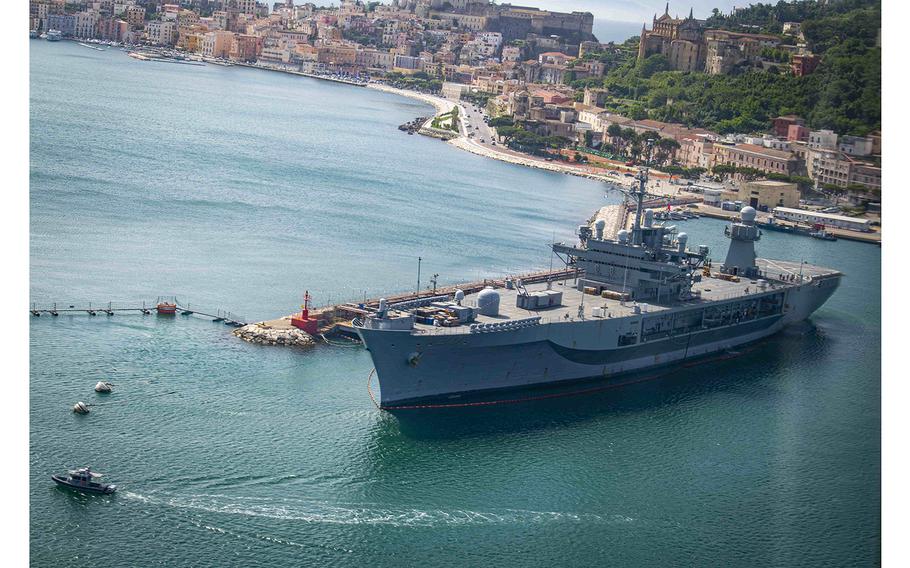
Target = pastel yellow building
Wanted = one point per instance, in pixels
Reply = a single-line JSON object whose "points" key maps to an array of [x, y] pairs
{"points": [[765, 193]]}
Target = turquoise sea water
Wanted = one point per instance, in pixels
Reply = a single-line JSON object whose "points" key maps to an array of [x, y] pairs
{"points": [[238, 189]]}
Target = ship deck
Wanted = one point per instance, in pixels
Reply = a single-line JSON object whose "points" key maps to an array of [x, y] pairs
{"points": [[778, 275]]}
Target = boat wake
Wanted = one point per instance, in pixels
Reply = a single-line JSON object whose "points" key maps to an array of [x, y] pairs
{"points": [[346, 514]]}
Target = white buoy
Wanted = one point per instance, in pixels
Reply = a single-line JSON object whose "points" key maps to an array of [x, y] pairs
{"points": [[103, 386], [80, 408]]}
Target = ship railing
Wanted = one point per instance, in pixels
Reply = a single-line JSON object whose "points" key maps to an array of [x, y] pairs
{"points": [[510, 325]]}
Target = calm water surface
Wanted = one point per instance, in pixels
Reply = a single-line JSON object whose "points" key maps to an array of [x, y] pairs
{"points": [[237, 189]]}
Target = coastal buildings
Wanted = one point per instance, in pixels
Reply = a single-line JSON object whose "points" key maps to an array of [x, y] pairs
{"points": [[689, 46], [217, 44], [826, 219], [520, 61], [757, 157], [681, 40], [162, 32], [764, 194]]}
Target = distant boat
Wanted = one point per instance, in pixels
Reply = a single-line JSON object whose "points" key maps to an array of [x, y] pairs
{"points": [[54, 35], [823, 235], [167, 309], [32, 34]]}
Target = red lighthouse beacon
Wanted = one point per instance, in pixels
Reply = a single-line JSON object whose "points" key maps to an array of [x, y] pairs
{"points": [[303, 321]]}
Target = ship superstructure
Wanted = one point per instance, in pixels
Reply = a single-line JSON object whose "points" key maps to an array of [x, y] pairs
{"points": [[640, 300]]}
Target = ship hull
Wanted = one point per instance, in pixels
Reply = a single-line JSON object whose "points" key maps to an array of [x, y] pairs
{"points": [[426, 368]]}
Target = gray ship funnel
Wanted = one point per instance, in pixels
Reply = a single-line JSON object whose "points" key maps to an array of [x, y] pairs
{"points": [[740, 259], [648, 219]]}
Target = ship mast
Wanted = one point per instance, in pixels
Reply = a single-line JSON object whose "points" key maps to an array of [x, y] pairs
{"points": [[639, 196]]}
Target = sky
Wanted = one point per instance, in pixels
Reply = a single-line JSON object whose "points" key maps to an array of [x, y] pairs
{"points": [[618, 20], [632, 10]]}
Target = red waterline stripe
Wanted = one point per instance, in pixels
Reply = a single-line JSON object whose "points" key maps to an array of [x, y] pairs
{"points": [[541, 397]]}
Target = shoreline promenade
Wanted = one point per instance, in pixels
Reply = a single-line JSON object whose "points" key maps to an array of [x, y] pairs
{"points": [[463, 142]]}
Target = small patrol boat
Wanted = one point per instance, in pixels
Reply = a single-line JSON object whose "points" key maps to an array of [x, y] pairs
{"points": [[818, 232], [84, 479]]}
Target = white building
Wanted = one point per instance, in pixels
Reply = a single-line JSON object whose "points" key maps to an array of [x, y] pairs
{"points": [[161, 32], [855, 145], [453, 91], [511, 53], [826, 219], [712, 196], [823, 139]]}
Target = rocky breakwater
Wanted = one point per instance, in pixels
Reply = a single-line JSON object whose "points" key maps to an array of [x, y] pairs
{"points": [[267, 335]]}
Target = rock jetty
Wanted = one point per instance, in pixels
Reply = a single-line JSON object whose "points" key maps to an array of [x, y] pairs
{"points": [[414, 125], [265, 335]]}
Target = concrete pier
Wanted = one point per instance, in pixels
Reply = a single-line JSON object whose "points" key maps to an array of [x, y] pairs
{"points": [[615, 218]]}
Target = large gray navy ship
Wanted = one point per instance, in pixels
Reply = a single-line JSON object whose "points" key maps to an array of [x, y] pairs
{"points": [[640, 300]]}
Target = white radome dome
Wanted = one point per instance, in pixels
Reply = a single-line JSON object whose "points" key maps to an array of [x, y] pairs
{"points": [[488, 302], [747, 213]]}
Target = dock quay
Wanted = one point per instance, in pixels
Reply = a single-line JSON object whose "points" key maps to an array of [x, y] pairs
{"points": [[137, 308], [874, 237], [336, 319], [614, 217]]}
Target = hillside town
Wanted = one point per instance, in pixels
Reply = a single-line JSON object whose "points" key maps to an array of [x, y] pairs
{"points": [[533, 72]]}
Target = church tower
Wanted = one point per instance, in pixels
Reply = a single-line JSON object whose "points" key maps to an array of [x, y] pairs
{"points": [[642, 50]]}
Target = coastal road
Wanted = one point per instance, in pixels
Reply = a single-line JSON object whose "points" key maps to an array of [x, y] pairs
{"points": [[484, 142], [473, 126]]}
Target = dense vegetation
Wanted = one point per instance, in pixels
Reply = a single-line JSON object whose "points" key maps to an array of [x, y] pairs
{"points": [[844, 93], [519, 138], [418, 82], [770, 18], [627, 143]]}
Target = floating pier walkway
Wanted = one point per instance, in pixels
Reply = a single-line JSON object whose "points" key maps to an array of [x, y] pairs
{"points": [[143, 308]]}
